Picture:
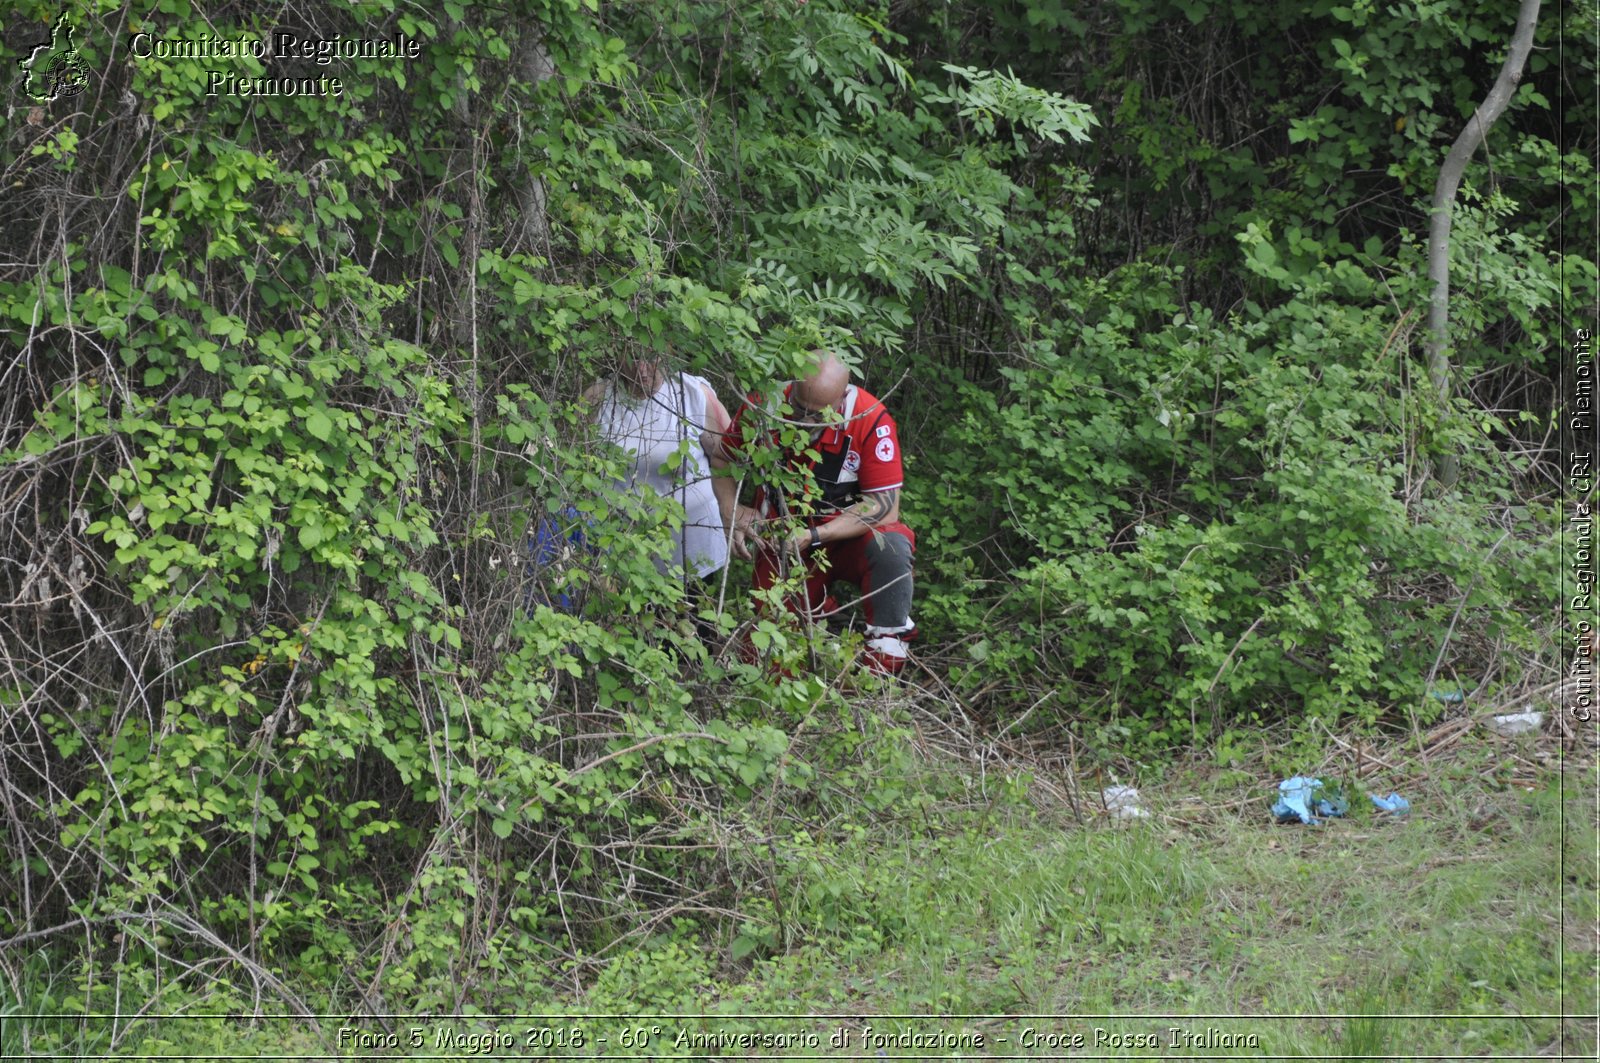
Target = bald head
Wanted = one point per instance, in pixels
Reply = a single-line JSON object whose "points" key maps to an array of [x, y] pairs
{"points": [[822, 388]]}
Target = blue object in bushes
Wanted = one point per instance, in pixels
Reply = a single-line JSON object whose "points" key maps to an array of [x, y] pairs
{"points": [[555, 538]]}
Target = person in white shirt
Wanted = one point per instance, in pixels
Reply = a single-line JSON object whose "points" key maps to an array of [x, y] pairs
{"points": [[652, 413]]}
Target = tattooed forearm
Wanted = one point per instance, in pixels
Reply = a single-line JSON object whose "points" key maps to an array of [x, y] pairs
{"points": [[880, 507]]}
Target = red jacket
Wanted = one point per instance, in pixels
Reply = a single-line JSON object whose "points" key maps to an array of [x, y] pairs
{"points": [[859, 457]]}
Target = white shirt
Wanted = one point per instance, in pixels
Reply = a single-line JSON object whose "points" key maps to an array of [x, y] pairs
{"points": [[652, 430]]}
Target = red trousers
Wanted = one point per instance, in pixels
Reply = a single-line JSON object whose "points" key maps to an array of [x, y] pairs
{"points": [[859, 562]]}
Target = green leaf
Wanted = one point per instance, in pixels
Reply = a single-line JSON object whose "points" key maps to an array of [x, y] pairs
{"points": [[319, 424]]}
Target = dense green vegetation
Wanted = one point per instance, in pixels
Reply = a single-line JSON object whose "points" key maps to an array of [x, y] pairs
{"points": [[287, 380]]}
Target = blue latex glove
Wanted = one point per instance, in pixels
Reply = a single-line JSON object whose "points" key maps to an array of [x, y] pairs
{"points": [[1298, 799], [1334, 804], [1393, 803], [1294, 799]]}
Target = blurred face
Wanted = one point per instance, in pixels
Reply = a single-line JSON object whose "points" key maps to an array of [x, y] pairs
{"points": [[813, 403], [641, 374], [820, 392]]}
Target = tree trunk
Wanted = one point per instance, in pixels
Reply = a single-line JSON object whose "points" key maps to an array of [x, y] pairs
{"points": [[1446, 467], [534, 66]]}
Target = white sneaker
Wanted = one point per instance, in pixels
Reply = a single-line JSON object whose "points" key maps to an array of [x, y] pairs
{"points": [[887, 651]]}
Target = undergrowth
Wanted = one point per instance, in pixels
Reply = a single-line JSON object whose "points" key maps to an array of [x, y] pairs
{"points": [[992, 901]]}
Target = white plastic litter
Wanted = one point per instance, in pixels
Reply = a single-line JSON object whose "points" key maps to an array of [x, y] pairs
{"points": [[1517, 723], [1122, 802]]}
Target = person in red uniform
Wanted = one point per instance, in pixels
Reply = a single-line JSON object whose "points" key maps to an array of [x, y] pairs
{"points": [[850, 505]]}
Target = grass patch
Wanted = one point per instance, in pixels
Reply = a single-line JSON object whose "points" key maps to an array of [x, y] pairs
{"points": [[1454, 910], [1203, 931]]}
